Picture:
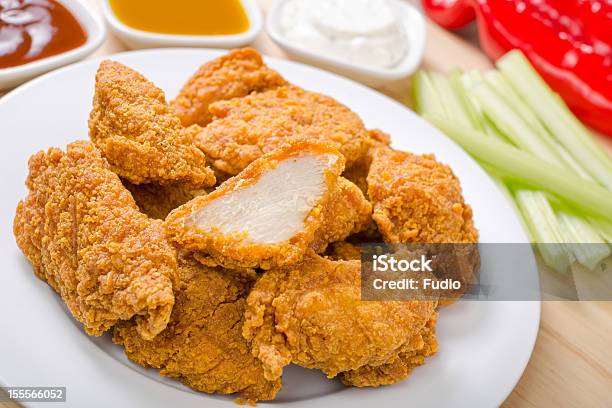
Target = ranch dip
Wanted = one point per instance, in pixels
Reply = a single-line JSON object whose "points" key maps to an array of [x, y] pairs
{"points": [[364, 32]]}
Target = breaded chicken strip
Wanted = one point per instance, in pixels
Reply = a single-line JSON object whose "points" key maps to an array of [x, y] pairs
{"points": [[412, 354], [417, 199], [233, 75], [203, 346], [84, 235], [281, 205], [311, 314], [244, 129], [139, 134], [158, 201]]}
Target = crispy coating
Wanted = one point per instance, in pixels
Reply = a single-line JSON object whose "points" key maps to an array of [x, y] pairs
{"points": [[244, 129], [158, 201], [341, 210], [417, 199], [139, 134], [347, 212], [84, 236], [233, 75], [358, 172], [412, 354], [202, 345], [312, 314], [343, 251]]}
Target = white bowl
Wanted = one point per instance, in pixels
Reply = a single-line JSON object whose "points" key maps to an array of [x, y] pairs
{"points": [[373, 76], [96, 33], [135, 39]]}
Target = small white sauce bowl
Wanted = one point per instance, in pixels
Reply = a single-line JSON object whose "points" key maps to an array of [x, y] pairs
{"points": [[373, 76], [136, 39], [96, 33]]}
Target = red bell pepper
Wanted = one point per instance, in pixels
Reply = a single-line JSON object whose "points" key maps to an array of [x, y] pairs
{"points": [[569, 42], [450, 14]]}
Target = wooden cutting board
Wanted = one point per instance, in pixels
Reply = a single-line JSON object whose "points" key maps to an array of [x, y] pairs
{"points": [[571, 365]]}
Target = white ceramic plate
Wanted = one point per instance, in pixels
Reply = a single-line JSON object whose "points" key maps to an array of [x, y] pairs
{"points": [[96, 32], [484, 346]]}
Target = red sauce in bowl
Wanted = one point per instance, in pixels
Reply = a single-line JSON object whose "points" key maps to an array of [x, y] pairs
{"points": [[34, 29]]}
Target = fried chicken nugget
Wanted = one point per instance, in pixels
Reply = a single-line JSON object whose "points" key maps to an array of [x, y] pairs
{"points": [[84, 236], [312, 315], [412, 354], [280, 206], [417, 199], [234, 75], [244, 129], [138, 133], [203, 346]]}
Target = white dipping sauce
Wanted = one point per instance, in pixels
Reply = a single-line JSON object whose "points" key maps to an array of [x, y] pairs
{"points": [[365, 32]]}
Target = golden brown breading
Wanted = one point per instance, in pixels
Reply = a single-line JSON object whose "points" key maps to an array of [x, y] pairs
{"points": [[203, 346], [312, 315], [347, 212], [412, 354], [84, 235], [243, 129], [343, 251], [417, 199], [280, 206], [358, 172], [139, 134], [233, 75], [158, 201]]}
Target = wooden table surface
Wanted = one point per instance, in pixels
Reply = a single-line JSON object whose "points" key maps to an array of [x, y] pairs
{"points": [[571, 365]]}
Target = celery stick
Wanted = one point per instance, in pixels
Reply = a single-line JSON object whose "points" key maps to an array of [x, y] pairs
{"points": [[425, 95], [589, 197], [512, 125], [556, 116], [586, 244], [451, 102], [469, 109], [503, 87], [604, 229], [542, 223], [469, 81]]}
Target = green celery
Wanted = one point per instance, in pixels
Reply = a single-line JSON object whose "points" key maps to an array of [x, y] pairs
{"points": [[469, 109], [469, 81], [541, 224], [503, 87], [586, 244], [451, 102], [425, 95], [529, 169], [556, 116], [604, 229], [512, 125], [545, 230]]}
